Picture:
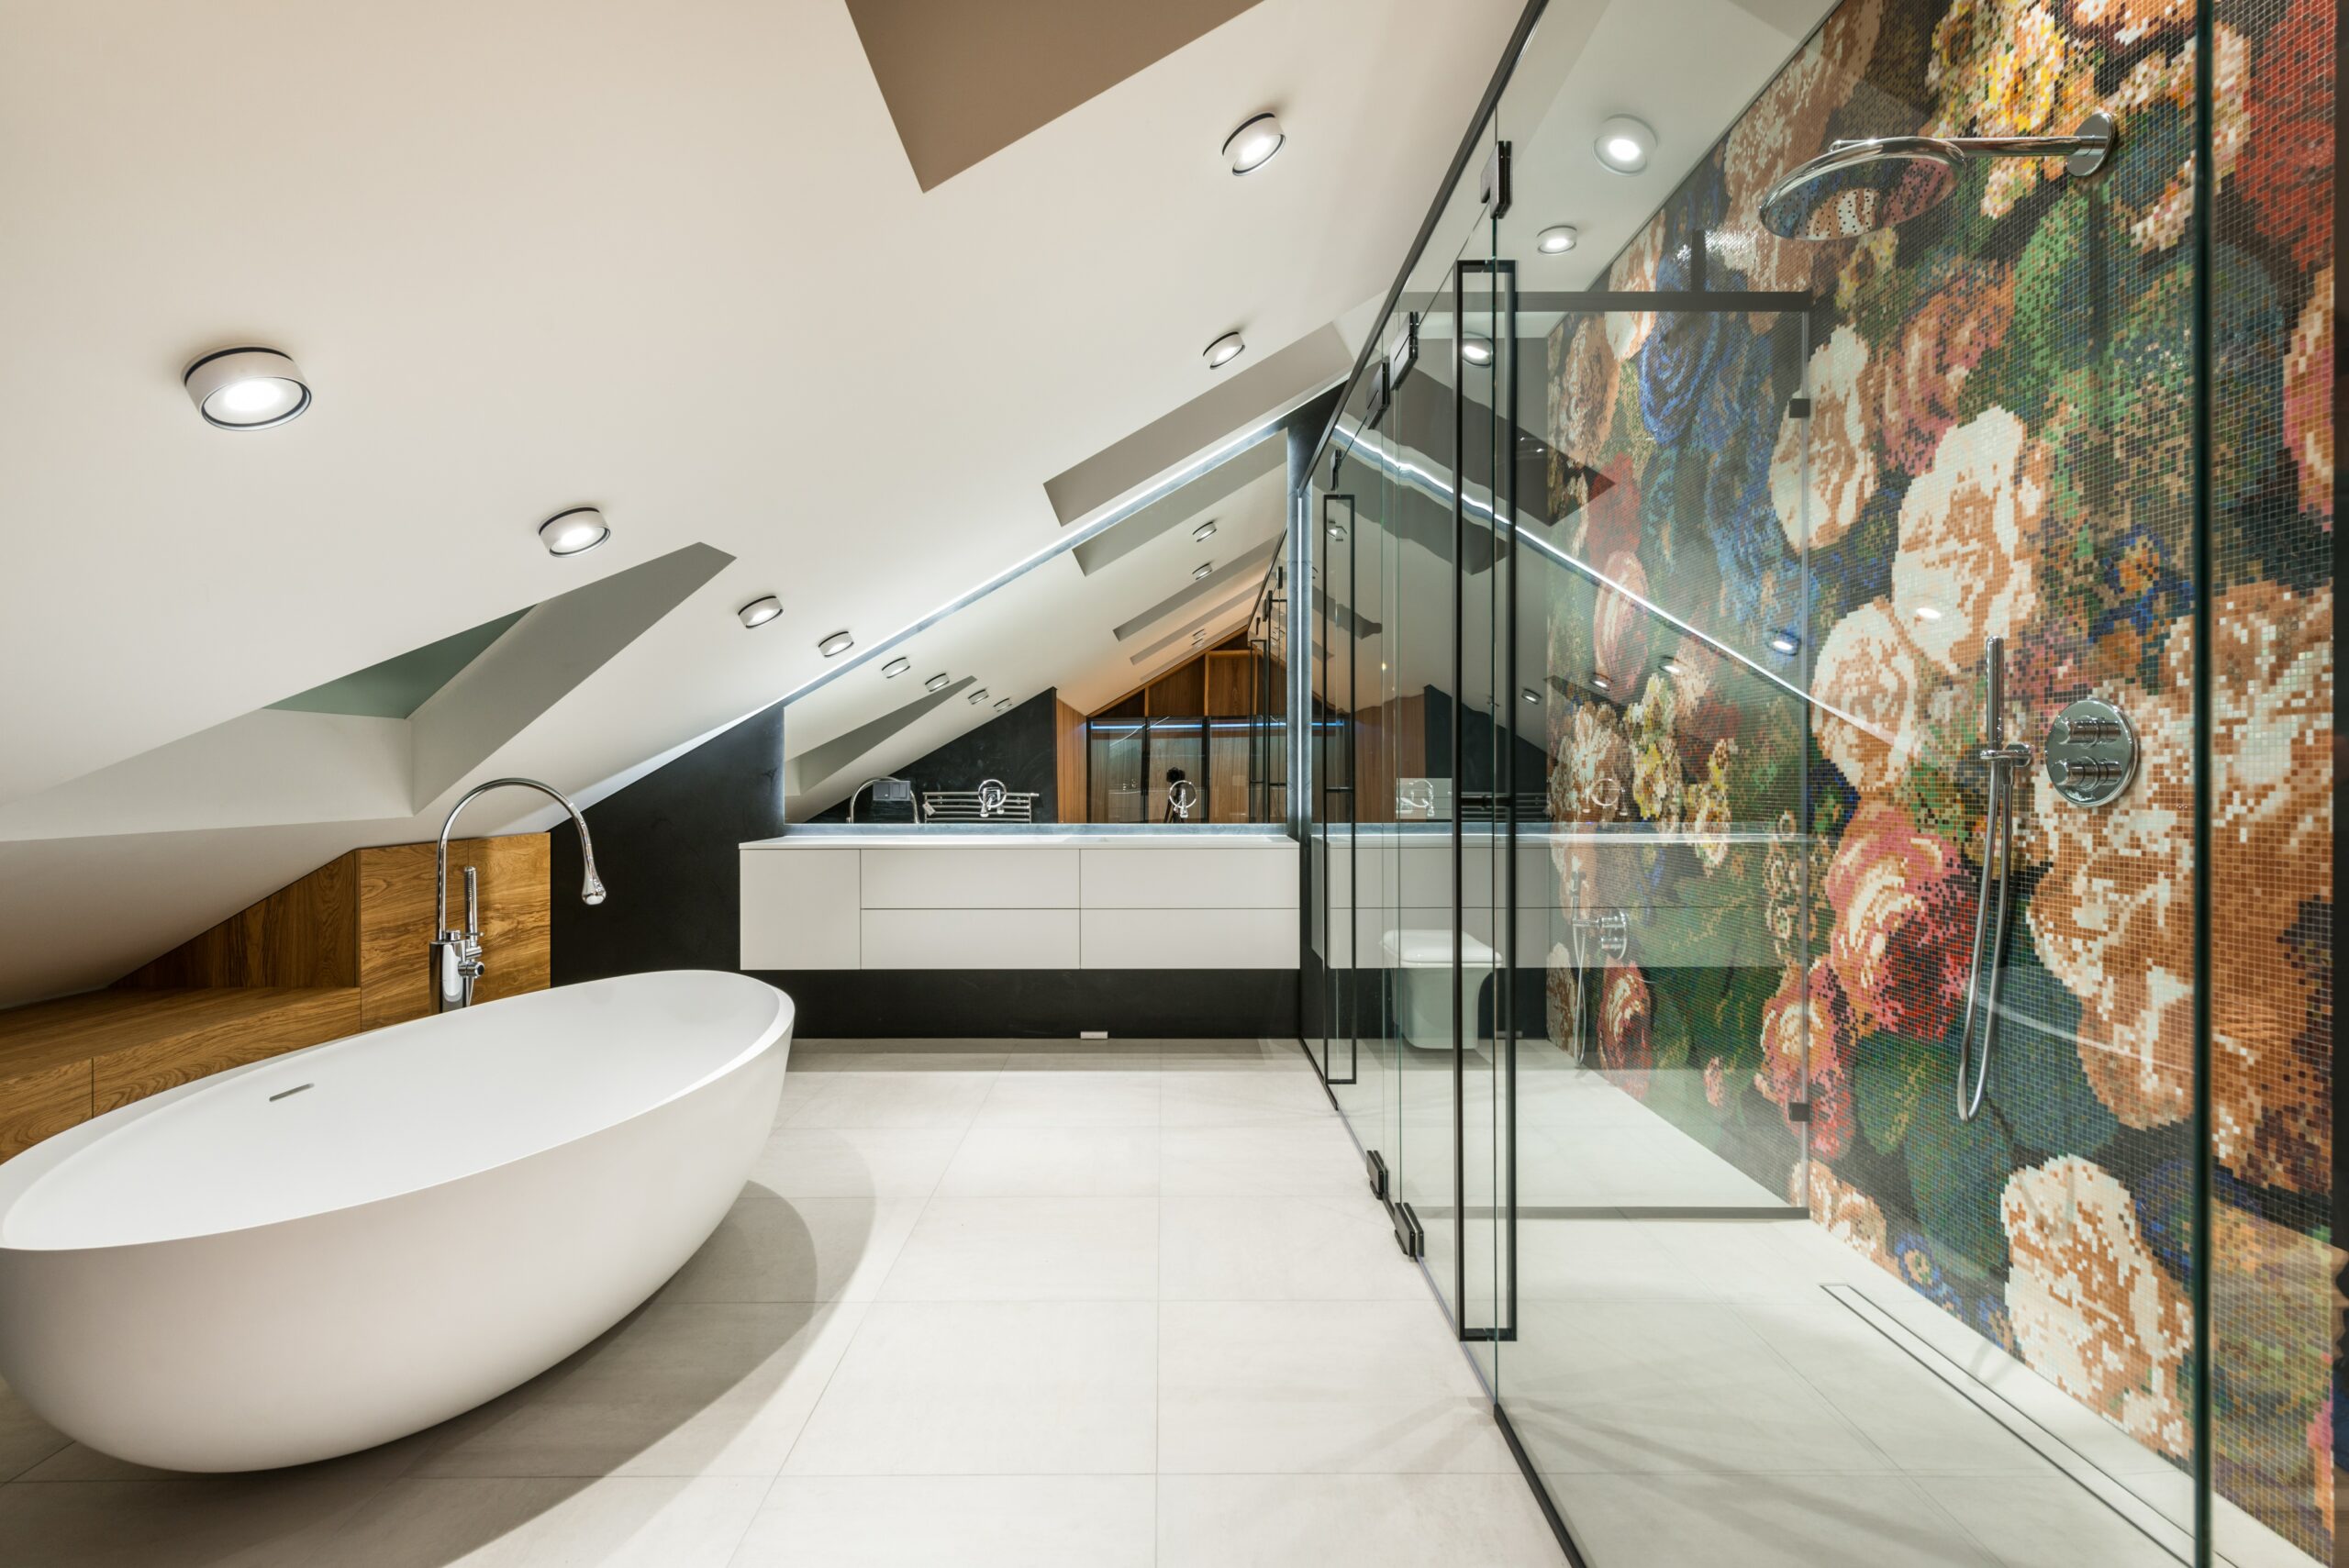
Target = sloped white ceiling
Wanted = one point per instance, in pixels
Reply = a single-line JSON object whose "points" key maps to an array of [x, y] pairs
{"points": [[669, 259]]}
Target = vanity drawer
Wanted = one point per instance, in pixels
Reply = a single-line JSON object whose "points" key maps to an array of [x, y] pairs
{"points": [[974, 878], [961, 938]]}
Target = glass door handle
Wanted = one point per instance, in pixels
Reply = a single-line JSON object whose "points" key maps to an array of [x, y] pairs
{"points": [[1997, 858]]}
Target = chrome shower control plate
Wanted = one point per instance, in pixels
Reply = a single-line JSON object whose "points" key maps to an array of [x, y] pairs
{"points": [[2091, 752]]}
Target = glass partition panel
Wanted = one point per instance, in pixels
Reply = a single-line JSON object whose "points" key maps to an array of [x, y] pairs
{"points": [[1856, 1139]]}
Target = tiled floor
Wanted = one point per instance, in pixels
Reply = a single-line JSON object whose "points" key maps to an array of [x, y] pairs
{"points": [[1098, 1306]]}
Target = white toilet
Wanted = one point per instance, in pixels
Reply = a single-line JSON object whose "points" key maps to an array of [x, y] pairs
{"points": [[1421, 958]]}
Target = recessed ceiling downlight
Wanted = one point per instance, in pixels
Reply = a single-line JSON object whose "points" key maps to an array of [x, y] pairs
{"points": [[1624, 144], [760, 611], [1252, 146], [1556, 239], [1223, 351], [894, 668], [936, 682], [574, 532], [1199, 572], [1205, 531], [835, 645], [1002, 704], [1476, 350], [978, 697], [246, 389]]}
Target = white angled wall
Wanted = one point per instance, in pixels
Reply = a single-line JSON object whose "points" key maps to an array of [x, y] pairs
{"points": [[1019, 902]]}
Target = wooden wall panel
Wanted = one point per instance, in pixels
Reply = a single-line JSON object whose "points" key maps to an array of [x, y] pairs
{"points": [[1182, 692], [395, 921], [340, 950], [1230, 685], [216, 1031], [305, 934], [1070, 779], [41, 1104]]}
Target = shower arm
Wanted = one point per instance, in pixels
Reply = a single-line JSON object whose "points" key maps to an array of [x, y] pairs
{"points": [[1997, 850]]}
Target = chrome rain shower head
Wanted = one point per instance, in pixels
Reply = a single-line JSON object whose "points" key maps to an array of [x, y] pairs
{"points": [[1856, 187]]}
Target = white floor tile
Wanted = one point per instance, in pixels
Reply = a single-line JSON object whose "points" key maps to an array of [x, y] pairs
{"points": [[1240, 1098], [2044, 1521], [1306, 1158], [968, 1521], [1363, 1521], [680, 1389], [988, 1388], [275, 1519], [1269, 1249], [1762, 1521], [855, 1161], [796, 1249], [1029, 1249], [608, 1522], [1322, 1386], [1094, 1097], [866, 1099], [1666, 1387], [1038, 1161]]}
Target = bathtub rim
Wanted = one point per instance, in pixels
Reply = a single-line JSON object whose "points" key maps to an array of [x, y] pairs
{"points": [[20, 1176]]}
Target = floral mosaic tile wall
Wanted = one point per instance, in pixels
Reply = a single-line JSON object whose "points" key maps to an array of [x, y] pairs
{"points": [[1999, 443]]}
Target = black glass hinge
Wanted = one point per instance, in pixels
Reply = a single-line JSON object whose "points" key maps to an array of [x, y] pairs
{"points": [[1493, 189]]}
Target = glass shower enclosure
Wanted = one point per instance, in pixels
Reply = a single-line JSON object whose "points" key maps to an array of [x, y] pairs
{"points": [[1820, 788]]}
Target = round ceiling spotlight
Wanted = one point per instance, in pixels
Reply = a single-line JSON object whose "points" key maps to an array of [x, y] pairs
{"points": [[246, 389], [1223, 351], [1557, 239], [1205, 531], [574, 532], [1531, 695], [979, 696], [1002, 704], [760, 611], [1198, 572], [936, 682], [1478, 351], [835, 645], [1624, 144], [1252, 145], [894, 668]]}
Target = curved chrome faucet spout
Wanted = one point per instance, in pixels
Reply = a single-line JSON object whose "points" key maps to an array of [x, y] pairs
{"points": [[456, 954]]}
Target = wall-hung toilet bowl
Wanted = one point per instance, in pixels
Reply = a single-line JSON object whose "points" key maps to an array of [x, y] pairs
{"points": [[1420, 957]]}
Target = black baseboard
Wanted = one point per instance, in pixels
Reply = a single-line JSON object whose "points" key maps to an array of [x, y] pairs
{"points": [[1039, 1004]]}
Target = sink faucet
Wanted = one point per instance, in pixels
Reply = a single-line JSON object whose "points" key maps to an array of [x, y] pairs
{"points": [[456, 954]]}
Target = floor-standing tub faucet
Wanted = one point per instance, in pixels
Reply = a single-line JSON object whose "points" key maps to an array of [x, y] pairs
{"points": [[456, 954]]}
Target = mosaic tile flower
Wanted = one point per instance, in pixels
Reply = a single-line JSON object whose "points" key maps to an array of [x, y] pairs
{"points": [[1967, 565], [1657, 783], [1847, 1214], [2112, 918], [2286, 168], [1902, 900], [1626, 1019], [1805, 1021], [1822, 469], [2168, 84], [2308, 399], [1582, 393], [1917, 387], [2126, 21], [1869, 684], [2092, 1310]]}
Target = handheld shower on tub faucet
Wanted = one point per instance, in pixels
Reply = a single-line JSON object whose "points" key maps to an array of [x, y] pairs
{"points": [[455, 954]]}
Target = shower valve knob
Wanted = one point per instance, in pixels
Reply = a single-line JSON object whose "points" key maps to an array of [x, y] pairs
{"points": [[2091, 752]]}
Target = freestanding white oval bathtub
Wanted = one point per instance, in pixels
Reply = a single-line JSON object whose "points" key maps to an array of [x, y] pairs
{"points": [[338, 1246]]}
